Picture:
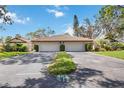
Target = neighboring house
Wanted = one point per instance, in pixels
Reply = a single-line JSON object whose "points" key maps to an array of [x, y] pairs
{"points": [[71, 43], [1, 47], [22, 40]]}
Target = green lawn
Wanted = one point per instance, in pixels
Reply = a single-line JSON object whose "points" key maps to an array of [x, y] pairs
{"points": [[116, 54], [10, 54]]}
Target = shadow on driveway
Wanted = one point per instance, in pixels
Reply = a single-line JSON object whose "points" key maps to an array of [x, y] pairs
{"points": [[81, 76], [29, 58]]}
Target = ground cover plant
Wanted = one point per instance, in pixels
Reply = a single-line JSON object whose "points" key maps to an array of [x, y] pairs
{"points": [[62, 64]]}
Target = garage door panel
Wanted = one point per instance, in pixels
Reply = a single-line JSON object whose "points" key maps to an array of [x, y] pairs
{"points": [[49, 46], [74, 46]]}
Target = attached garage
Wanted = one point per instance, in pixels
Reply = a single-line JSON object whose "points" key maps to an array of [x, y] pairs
{"points": [[53, 43], [74, 46], [49, 46]]}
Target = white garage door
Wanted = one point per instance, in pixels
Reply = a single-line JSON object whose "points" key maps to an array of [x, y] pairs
{"points": [[74, 46], [49, 46]]}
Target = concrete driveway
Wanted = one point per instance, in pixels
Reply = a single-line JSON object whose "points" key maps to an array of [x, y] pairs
{"points": [[92, 71], [98, 71], [17, 71]]}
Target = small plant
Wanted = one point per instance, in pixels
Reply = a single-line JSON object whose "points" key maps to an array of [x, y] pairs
{"points": [[36, 48], [88, 47], [62, 47]]}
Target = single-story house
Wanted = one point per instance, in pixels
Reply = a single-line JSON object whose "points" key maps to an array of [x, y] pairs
{"points": [[1, 47], [22, 40], [53, 43]]}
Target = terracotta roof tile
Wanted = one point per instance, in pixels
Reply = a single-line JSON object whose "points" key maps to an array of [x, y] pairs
{"points": [[61, 38], [19, 40]]}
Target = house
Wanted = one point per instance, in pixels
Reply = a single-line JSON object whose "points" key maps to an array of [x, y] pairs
{"points": [[53, 43], [1, 47], [22, 40]]}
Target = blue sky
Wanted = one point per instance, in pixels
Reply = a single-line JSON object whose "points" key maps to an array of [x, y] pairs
{"points": [[59, 18]]}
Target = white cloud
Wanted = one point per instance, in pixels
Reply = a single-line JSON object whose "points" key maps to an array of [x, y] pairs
{"points": [[28, 19], [57, 13], [61, 7], [17, 19], [69, 30]]}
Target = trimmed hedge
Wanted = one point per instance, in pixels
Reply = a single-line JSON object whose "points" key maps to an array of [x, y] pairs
{"points": [[63, 64], [88, 47], [62, 47]]}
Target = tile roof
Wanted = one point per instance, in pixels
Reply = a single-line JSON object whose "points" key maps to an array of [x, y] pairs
{"points": [[61, 38], [19, 40]]}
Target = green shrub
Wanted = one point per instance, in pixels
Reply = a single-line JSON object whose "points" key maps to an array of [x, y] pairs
{"points": [[16, 47], [121, 46], [1, 49], [20, 48], [97, 49], [102, 45], [62, 47], [23, 49], [88, 47], [36, 48], [8, 48], [117, 46], [107, 47], [62, 66]]}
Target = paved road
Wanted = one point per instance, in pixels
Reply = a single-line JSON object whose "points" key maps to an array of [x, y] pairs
{"points": [[93, 71]]}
